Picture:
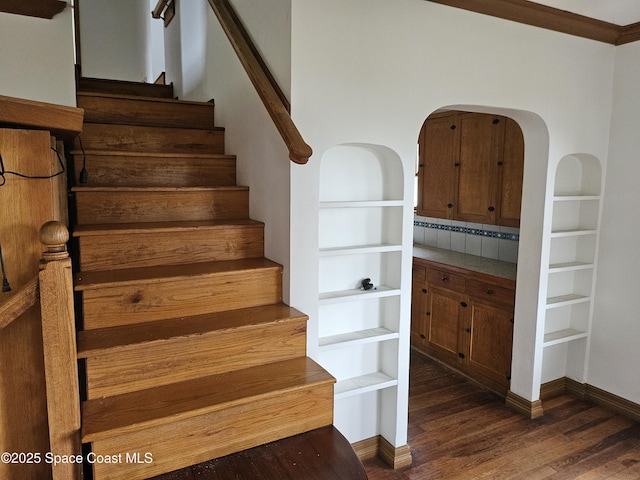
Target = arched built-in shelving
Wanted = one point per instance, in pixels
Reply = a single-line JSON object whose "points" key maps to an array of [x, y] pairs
{"points": [[572, 262], [360, 236]]}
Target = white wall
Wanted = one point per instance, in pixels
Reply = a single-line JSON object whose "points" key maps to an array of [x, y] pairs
{"points": [[36, 60], [114, 40], [372, 71], [614, 362], [202, 65]]}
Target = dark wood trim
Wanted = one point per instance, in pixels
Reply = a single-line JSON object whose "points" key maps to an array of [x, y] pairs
{"points": [[378, 446], [584, 391], [33, 8], [530, 13], [523, 406], [629, 34]]}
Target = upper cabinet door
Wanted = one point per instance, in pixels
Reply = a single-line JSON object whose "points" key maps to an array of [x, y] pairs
{"points": [[438, 151], [470, 168], [510, 173], [481, 140]]}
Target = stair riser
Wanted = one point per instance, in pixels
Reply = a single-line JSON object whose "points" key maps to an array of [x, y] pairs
{"points": [[141, 171], [125, 88], [109, 252], [194, 357], [131, 111], [148, 301], [193, 440], [97, 136], [129, 207]]}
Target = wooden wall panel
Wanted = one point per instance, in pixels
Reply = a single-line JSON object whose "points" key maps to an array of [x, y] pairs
{"points": [[25, 204]]}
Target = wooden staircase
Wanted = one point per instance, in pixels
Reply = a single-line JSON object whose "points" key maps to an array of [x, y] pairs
{"points": [[188, 351]]}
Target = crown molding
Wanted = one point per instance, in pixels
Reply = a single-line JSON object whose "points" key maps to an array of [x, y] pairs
{"points": [[543, 16], [33, 8]]}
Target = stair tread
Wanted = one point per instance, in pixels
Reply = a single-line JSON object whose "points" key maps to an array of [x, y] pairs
{"points": [[199, 188], [161, 227], [91, 84], [112, 339], [169, 101], [166, 273], [110, 416], [131, 153]]}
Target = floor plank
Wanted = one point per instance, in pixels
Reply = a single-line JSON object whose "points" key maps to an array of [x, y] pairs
{"points": [[459, 431]]}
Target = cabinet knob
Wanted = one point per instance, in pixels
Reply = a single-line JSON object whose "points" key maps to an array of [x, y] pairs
{"points": [[500, 163], [453, 127], [445, 278], [463, 304], [457, 164], [424, 290], [422, 335], [461, 355], [489, 291], [428, 313], [496, 121], [468, 330], [491, 209], [449, 205]]}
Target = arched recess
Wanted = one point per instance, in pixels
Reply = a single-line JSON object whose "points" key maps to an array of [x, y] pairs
{"points": [[362, 332], [532, 251], [571, 267]]}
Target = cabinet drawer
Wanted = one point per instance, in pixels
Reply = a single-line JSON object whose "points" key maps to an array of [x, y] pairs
{"points": [[491, 293], [446, 280]]}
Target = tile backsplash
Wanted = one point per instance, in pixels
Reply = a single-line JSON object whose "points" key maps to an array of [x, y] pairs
{"points": [[491, 241]]}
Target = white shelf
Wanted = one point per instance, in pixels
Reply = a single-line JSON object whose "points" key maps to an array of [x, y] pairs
{"points": [[573, 233], [360, 337], [574, 197], [564, 300], [357, 294], [362, 204], [562, 336], [363, 384], [380, 248], [569, 267]]}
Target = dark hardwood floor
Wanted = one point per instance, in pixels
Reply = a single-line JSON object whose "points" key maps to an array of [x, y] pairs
{"points": [[457, 430]]}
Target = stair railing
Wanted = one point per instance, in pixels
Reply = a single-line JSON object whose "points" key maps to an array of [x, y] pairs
{"points": [[59, 346], [53, 288], [274, 100]]}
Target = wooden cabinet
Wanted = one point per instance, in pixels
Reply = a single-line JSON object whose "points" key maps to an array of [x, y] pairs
{"points": [[464, 319], [470, 168]]}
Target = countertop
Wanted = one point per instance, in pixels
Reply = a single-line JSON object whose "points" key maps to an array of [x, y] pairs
{"points": [[474, 263]]}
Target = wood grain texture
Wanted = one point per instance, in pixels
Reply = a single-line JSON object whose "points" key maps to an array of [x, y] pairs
{"points": [[60, 365], [138, 245], [299, 151], [98, 136], [192, 356], [131, 110], [155, 169], [321, 454], [61, 121], [110, 299], [459, 431], [20, 302], [120, 87], [98, 205]]}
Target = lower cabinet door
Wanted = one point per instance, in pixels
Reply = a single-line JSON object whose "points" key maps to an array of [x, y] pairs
{"points": [[490, 341], [444, 317]]}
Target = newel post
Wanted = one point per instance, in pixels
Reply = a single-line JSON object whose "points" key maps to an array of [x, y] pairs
{"points": [[59, 344]]}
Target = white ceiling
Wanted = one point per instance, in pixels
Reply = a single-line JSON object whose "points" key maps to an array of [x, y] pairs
{"points": [[620, 12]]}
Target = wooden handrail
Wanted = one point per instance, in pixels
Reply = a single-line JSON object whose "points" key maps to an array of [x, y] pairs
{"points": [[20, 302], [264, 83]]}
